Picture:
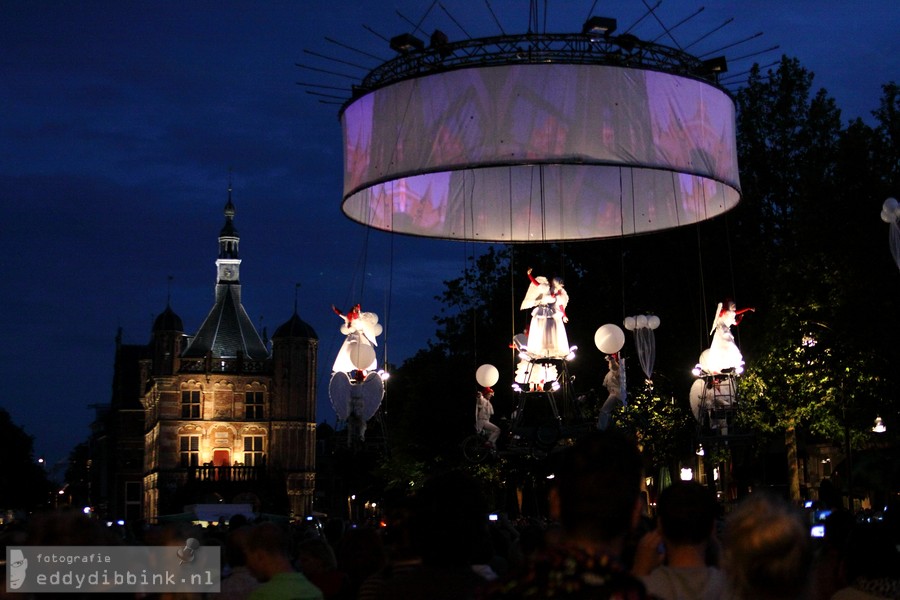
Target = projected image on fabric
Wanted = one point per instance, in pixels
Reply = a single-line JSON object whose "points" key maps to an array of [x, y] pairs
{"points": [[539, 152]]}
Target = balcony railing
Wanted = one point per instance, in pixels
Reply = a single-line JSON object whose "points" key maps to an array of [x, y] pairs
{"points": [[231, 473]]}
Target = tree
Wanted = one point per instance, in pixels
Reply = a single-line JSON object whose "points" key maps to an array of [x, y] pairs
{"points": [[23, 482], [805, 246], [805, 241]]}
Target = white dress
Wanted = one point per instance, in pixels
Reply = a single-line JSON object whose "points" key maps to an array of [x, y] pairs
{"points": [[358, 350], [723, 353], [547, 336]]}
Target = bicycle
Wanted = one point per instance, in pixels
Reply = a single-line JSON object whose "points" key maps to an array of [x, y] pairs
{"points": [[476, 447]]}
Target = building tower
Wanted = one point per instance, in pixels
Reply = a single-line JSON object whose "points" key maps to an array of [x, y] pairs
{"points": [[225, 420]]}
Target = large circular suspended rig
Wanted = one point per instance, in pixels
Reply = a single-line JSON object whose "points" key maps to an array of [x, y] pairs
{"points": [[539, 137]]}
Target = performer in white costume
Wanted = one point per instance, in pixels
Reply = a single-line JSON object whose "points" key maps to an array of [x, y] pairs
{"points": [[547, 336], [355, 389], [358, 350], [614, 382], [484, 410], [723, 354]]}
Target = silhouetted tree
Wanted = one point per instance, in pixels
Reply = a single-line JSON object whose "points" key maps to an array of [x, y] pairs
{"points": [[809, 214], [23, 481]]}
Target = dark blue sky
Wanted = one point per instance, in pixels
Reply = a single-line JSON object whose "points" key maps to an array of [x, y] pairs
{"points": [[119, 122]]}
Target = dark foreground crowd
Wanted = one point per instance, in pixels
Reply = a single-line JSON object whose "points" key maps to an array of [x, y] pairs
{"points": [[439, 544]]}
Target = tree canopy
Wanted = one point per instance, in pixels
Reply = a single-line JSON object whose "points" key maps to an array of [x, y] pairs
{"points": [[805, 247]]}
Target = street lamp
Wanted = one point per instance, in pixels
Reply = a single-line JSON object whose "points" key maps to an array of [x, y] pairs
{"points": [[879, 426]]}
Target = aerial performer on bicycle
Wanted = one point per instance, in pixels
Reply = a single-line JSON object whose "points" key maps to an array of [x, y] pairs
{"points": [[484, 410]]}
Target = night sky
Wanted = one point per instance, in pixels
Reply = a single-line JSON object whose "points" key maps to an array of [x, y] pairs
{"points": [[121, 124]]}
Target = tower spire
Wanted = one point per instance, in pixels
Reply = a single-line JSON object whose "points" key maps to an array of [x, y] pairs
{"points": [[228, 331], [229, 261]]}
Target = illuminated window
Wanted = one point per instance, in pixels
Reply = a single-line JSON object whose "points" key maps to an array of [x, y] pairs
{"points": [[253, 450], [253, 405], [190, 404], [189, 450]]}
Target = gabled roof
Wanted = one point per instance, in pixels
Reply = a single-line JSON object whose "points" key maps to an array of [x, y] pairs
{"points": [[227, 329]]}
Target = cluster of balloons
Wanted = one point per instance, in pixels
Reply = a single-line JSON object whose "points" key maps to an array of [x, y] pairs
{"points": [[641, 322], [643, 326], [890, 210]]}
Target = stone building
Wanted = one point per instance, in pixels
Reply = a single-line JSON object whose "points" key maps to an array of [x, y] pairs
{"points": [[226, 418]]}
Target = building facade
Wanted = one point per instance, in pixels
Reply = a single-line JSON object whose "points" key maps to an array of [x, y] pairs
{"points": [[227, 417]]}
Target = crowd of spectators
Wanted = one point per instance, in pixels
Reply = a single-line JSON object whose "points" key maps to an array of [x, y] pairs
{"points": [[598, 540]]}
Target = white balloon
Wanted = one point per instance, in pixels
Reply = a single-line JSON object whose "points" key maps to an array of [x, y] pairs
{"points": [[377, 329], [705, 361], [890, 210], [609, 339], [640, 321], [362, 356], [487, 375], [629, 323], [652, 321], [697, 389]]}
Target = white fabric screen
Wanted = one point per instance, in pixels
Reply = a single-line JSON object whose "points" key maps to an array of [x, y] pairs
{"points": [[539, 152]]}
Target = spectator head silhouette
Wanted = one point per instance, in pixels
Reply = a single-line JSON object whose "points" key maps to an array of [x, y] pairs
{"points": [[766, 549], [687, 513], [267, 550], [598, 487]]}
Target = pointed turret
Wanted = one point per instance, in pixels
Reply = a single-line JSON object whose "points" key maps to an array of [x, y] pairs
{"points": [[294, 350], [227, 331], [166, 342]]}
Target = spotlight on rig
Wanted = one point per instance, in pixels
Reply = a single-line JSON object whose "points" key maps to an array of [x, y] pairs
{"points": [[598, 27], [406, 43]]}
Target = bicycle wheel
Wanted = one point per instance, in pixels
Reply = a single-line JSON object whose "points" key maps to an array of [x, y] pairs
{"points": [[474, 448]]}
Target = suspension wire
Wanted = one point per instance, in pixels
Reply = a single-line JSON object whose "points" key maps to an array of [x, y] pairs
{"points": [[416, 25], [455, 22], [675, 198], [546, 2], [368, 226], [512, 305], [388, 300], [668, 30], [469, 271], [622, 234], [591, 10], [731, 266], [644, 16], [532, 16], [512, 260], [494, 16], [541, 192], [703, 331]]}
